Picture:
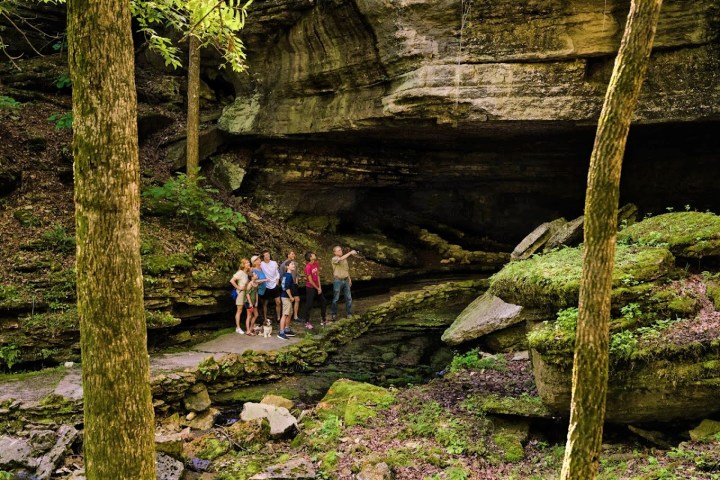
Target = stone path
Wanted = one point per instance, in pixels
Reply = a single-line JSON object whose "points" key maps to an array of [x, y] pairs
{"points": [[67, 382]]}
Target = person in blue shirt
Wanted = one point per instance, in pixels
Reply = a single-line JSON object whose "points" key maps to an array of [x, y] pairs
{"points": [[287, 296]]}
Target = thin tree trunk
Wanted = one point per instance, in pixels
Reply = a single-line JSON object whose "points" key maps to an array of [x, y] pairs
{"points": [[590, 372], [193, 113], [119, 422]]}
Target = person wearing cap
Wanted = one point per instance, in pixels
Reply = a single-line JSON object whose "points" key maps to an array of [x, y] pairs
{"points": [[272, 292], [341, 280]]}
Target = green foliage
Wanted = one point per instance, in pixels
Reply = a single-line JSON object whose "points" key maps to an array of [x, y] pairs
{"points": [[215, 24], [63, 81], [631, 311], [6, 475], [157, 264], [472, 360], [9, 103], [9, 355], [186, 199], [622, 345], [58, 239], [330, 429], [567, 320], [9, 293], [62, 120], [160, 319]]}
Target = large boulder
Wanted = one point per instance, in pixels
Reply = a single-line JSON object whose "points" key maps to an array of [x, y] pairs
{"points": [[656, 390], [664, 361], [486, 314]]}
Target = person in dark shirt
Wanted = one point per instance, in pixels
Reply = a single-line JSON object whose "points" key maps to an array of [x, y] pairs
{"points": [[287, 296]]}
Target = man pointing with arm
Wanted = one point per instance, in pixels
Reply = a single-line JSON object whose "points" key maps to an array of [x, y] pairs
{"points": [[341, 280]]}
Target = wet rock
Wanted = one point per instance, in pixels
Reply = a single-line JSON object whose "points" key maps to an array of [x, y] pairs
{"points": [[536, 239], [706, 431], [378, 471], [167, 468], [281, 420], [294, 469], [486, 314]]}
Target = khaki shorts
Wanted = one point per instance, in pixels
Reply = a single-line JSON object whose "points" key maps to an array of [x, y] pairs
{"points": [[287, 306], [240, 299]]}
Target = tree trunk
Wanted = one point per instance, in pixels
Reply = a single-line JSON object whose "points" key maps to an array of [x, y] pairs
{"points": [[119, 422], [590, 372], [193, 113]]}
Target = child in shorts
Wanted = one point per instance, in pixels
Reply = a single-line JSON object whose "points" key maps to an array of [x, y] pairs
{"points": [[251, 303]]}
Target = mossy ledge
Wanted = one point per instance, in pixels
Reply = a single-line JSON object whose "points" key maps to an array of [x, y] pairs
{"points": [[252, 367]]}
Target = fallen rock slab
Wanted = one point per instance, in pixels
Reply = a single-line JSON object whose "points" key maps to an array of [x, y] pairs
{"points": [[536, 239], [486, 314]]}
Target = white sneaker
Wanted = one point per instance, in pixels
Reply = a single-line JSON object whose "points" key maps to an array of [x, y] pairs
{"points": [[239, 330]]}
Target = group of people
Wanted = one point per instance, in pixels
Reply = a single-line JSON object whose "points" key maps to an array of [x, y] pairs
{"points": [[261, 280]]}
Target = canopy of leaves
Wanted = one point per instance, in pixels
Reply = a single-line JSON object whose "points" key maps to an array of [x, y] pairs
{"points": [[215, 22]]}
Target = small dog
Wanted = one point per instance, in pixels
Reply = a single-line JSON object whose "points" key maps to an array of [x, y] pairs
{"points": [[267, 328], [257, 330]]}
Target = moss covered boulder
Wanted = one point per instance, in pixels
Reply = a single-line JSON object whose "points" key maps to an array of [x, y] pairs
{"points": [[665, 326], [354, 402], [685, 234]]}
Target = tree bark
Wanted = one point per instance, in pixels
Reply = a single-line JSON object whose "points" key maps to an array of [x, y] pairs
{"points": [[590, 372], [119, 422], [193, 112]]}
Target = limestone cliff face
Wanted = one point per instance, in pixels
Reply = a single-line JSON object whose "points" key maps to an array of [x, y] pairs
{"points": [[475, 114], [358, 64]]}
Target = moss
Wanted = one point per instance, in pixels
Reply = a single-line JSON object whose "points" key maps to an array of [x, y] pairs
{"points": [[159, 319], [155, 264], [512, 449], [525, 405], [686, 234], [213, 448], [713, 292], [553, 280], [354, 402]]}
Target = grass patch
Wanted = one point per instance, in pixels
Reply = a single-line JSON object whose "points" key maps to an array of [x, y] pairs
{"points": [[473, 361]]}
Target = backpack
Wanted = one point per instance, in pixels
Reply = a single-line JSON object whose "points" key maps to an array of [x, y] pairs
{"points": [[233, 294]]}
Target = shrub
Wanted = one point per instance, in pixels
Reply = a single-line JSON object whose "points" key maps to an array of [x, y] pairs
{"points": [[9, 103], [62, 120], [472, 360], [186, 199], [59, 240]]}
